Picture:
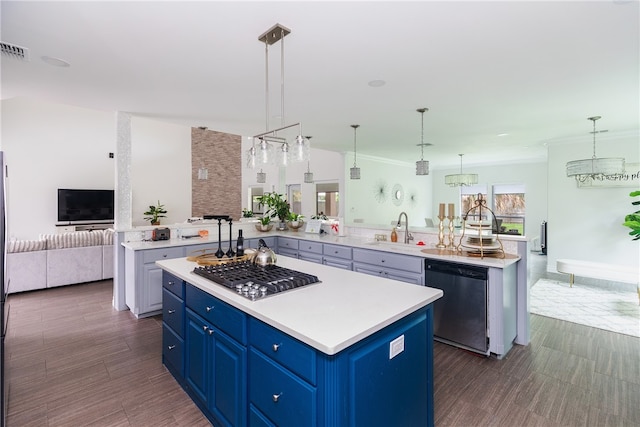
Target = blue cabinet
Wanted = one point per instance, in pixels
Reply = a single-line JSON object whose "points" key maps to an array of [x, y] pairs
{"points": [[215, 361], [241, 371], [173, 325]]}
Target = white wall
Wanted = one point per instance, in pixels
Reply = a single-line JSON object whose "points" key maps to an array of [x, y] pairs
{"points": [[375, 173], [160, 169], [532, 175], [585, 223], [50, 146]]}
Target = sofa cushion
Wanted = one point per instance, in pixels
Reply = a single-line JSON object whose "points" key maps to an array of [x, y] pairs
{"points": [[16, 246], [76, 239]]}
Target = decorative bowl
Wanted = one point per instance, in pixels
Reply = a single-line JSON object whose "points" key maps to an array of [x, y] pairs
{"points": [[261, 227], [295, 225]]}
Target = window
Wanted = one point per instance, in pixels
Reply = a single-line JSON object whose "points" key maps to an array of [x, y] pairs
{"points": [[327, 199], [468, 197], [509, 208]]}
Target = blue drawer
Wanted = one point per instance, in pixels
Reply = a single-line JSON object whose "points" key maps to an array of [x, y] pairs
{"points": [[287, 243], [172, 350], [387, 259], [313, 247], [337, 251], [230, 320], [289, 352], [281, 396], [173, 284], [173, 312]]}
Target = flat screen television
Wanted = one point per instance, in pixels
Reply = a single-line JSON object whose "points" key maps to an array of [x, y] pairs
{"points": [[85, 205]]}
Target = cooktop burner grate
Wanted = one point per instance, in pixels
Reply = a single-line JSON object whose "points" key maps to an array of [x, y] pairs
{"points": [[255, 282]]}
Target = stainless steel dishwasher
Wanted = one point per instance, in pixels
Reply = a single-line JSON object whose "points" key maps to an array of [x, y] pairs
{"points": [[460, 316]]}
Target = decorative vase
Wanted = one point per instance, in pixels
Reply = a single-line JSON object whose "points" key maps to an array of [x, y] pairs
{"points": [[263, 227], [295, 225]]}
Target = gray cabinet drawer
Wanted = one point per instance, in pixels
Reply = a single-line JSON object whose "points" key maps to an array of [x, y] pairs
{"points": [[287, 243], [386, 259], [153, 255], [313, 247], [337, 251]]}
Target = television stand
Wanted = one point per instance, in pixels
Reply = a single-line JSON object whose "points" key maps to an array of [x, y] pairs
{"points": [[82, 226]]}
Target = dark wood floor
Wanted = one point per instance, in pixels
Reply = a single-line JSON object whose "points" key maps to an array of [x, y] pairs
{"points": [[74, 361]]}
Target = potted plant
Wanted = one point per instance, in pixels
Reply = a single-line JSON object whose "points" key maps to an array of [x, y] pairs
{"points": [[155, 213], [633, 219], [277, 206], [295, 221], [265, 224], [247, 213]]}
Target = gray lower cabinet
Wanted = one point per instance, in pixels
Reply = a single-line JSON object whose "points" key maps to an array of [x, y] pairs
{"points": [[405, 268], [143, 279], [337, 256]]}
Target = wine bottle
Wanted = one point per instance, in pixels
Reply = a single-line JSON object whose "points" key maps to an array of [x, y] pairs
{"points": [[240, 244]]}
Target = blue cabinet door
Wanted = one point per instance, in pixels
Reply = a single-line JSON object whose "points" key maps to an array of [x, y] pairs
{"points": [[197, 357], [228, 400]]}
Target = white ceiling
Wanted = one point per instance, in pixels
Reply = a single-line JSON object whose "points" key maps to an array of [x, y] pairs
{"points": [[534, 70]]}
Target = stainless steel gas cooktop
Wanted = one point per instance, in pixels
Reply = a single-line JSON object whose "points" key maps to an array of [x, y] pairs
{"points": [[255, 282]]}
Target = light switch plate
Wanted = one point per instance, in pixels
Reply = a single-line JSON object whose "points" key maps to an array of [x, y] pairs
{"points": [[396, 347]]}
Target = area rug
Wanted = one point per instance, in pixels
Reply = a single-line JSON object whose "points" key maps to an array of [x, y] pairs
{"points": [[612, 310]]}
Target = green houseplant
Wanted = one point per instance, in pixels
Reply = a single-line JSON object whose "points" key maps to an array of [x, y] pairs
{"points": [[633, 219], [277, 206], [155, 213]]}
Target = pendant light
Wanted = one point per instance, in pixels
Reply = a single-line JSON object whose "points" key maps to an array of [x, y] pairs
{"points": [[461, 179], [595, 168], [354, 172], [264, 152], [261, 177], [422, 166], [308, 175]]}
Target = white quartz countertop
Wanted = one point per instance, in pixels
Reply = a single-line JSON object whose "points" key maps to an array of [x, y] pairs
{"points": [[352, 241], [330, 316]]}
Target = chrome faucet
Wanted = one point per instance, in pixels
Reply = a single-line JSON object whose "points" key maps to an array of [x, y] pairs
{"points": [[407, 235]]}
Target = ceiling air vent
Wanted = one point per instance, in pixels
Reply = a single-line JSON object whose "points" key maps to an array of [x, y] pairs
{"points": [[14, 51]]}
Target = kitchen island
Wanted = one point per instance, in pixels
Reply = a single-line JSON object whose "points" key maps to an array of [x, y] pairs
{"points": [[352, 350]]}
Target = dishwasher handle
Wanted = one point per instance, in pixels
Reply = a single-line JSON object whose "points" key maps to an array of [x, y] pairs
{"points": [[455, 269]]}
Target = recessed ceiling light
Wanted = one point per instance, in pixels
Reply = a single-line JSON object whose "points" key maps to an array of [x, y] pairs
{"points": [[56, 62], [503, 134], [377, 83]]}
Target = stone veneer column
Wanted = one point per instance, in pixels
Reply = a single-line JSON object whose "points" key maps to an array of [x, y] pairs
{"points": [[221, 154]]}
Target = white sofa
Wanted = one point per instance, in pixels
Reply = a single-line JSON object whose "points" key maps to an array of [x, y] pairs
{"points": [[60, 259]]}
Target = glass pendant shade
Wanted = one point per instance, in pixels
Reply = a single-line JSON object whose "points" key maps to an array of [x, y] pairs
{"points": [[422, 167], [301, 149], [265, 152], [261, 177], [354, 173], [252, 157], [284, 155], [461, 179], [595, 168], [308, 175]]}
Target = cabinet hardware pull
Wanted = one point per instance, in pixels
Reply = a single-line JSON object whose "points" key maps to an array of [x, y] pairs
{"points": [[276, 397], [275, 347], [170, 282], [208, 308], [171, 311], [164, 256], [205, 327], [171, 347]]}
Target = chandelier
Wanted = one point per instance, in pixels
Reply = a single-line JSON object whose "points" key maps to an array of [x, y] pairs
{"points": [[354, 172], [595, 168], [461, 179], [422, 165], [262, 150]]}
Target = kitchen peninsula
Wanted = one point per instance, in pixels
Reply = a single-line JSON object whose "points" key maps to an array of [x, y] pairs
{"points": [[507, 315], [351, 350]]}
